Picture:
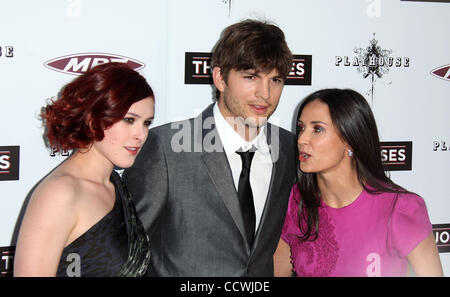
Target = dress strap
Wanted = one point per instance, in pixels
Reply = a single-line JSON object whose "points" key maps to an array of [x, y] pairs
{"points": [[138, 241]]}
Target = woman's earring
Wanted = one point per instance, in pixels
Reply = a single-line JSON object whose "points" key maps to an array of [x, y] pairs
{"points": [[350, 153]]}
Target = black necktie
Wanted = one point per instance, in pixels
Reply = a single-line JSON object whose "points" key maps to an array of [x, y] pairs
{"points": [[245, 195]]}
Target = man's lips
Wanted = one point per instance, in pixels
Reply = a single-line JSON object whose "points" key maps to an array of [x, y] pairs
{"points": [[259, 109]]}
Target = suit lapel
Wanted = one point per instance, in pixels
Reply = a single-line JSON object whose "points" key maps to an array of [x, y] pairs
{"points": [[217, 166], [272, 200], [279, 159], [220, 173]]}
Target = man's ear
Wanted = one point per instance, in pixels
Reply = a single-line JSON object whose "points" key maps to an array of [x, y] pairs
{"points": [[219, 82]]}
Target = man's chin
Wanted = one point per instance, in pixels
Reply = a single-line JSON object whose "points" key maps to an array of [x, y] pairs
{"points": [[255, 122]]}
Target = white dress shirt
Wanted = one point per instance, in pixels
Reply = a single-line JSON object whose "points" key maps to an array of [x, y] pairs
{"points": [[261, 168]]}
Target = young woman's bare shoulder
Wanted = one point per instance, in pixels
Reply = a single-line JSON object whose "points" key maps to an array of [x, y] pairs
{"points": [[56, 192], [48, 222]]}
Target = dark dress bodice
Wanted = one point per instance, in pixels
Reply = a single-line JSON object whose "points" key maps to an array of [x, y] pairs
{"points": [[117, 245]]}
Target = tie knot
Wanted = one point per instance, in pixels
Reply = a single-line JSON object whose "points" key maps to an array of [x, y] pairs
{"points": [[246, 158]]}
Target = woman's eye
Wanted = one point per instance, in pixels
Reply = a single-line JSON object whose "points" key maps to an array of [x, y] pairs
{"points": [[129, 120], [147, 123], [318, 129]]}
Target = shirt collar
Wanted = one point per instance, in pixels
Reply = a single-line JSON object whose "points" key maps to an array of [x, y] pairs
{"points": [[232, 141]]}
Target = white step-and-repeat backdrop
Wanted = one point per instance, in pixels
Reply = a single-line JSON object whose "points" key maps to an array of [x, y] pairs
{"points": [[45, 44]]}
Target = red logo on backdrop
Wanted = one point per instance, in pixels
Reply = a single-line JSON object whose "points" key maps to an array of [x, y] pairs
{"points": [[78, 64], [442, 72]]}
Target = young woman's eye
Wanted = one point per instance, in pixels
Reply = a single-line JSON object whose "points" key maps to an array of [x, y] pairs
{"points": [[300, 129], [147, 123], [129, 120]]}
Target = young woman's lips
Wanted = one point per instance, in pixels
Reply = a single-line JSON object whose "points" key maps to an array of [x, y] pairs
{"points": [[259, 109], [132, 149]]}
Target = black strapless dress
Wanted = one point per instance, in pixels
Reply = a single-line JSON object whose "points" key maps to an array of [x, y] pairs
{"points": [[117, 245]]}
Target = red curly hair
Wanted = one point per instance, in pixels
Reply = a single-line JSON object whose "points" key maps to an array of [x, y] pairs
{"points": [[92, 103]]}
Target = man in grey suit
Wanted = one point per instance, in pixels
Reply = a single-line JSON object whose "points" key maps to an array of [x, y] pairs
{"points": [[212, 191]]}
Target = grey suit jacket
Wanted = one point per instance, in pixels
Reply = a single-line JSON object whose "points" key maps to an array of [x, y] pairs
{"points": [[185, 196]]}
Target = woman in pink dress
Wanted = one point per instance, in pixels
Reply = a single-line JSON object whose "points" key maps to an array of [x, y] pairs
{"points": [[345, 216]]}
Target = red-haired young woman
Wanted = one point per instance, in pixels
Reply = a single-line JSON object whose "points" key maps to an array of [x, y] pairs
{"points": [[80, 220]]}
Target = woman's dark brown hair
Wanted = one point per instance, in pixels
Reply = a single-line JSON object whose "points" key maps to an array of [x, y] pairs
{"points": [[353, 118]]}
